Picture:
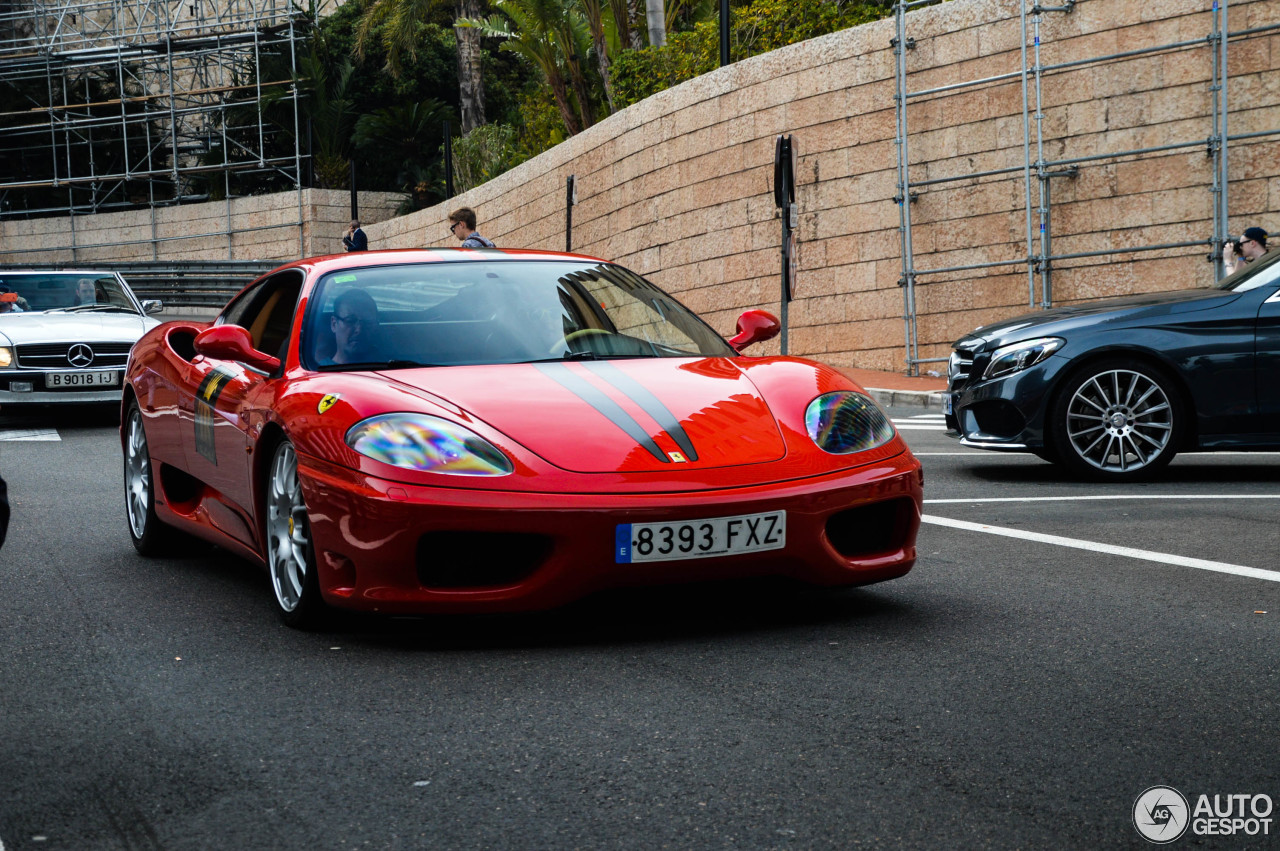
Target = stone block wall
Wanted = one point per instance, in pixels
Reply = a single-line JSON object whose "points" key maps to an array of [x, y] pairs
{"points": [[259, 227], [679, 187]]}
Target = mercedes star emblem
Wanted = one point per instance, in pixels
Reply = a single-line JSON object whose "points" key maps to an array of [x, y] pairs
{"points": [[80, 355]]}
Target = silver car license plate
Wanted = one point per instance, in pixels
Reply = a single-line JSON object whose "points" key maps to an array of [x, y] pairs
{"points": [[705, 538], [82, 379]]}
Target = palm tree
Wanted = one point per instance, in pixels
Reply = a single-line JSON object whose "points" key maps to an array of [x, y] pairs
{"points": [[409, 134], [593, 11], [551, 34], [396, 23], [657, 16], [331, 114]]}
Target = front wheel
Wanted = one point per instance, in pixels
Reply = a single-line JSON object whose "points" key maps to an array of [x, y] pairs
{"points": [[1117, 421], [291, 559]]}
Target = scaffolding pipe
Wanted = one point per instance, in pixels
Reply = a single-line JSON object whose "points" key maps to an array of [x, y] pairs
{"points": [[1042, 177], [1026, 160], [1223, 108], [904, 190]]}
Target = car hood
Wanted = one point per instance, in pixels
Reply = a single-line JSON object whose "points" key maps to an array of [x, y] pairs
{"points": [[617, 416], [21, 328], [1061, 320]]}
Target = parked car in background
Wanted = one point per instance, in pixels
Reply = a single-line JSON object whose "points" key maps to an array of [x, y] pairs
{"points": [[451, 430], [1114, 389], [65, 336]]}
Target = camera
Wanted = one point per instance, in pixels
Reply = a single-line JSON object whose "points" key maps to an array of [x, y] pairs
{"points": [[1237, 245]]}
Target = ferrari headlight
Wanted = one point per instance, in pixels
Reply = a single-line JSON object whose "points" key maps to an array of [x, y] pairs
{"points": [[1018, 356], [6, 356], [421, 442], [846, 422]]}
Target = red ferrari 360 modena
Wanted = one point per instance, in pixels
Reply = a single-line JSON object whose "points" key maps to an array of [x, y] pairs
{"points": [[455, 430]]}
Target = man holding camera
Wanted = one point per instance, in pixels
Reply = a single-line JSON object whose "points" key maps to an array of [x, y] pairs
{"points": [[1251, 245]]}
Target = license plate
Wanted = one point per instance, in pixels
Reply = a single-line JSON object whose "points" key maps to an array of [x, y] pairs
{"points": [[947, 404], [82, 379], [706, 538]]}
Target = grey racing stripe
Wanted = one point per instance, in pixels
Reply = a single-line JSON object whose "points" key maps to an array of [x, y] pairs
{"points": [[580, 387], [649, 403]]}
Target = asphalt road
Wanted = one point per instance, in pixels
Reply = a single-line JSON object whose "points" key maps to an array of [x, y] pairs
{"points": [[1010, 692]]}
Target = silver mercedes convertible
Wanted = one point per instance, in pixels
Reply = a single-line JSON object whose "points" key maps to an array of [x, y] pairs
{"points": [[65, 336]]}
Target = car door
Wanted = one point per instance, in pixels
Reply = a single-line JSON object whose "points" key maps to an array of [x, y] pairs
{"points": [[1268, 356], [222, 415]]}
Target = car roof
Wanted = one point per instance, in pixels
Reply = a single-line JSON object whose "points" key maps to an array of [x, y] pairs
{"points": [[103, 272], [406, 256]]}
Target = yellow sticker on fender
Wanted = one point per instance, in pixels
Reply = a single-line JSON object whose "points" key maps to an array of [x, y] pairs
{"points": [[329, 400]]}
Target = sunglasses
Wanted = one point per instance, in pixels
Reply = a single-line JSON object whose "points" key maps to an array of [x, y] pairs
{"points": [[454, 227]]}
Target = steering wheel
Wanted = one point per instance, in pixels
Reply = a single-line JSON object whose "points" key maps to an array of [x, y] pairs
{"points": [[578, 335]]}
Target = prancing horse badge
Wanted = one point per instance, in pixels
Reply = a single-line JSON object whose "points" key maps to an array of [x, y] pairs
{"points": [[329, 400]]}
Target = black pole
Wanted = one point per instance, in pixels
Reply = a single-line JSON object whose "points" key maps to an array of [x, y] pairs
{"points": [[568, 213], [724, 33], [448, 160], [355, 202]]}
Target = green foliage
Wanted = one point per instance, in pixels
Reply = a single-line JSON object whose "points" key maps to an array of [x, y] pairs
{"points": [[756, 28], [483, 154], [540, 128]]}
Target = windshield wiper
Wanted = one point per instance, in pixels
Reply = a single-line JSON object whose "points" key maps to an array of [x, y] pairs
{"points": [[566, 356], [77, 308], [381, 364]]}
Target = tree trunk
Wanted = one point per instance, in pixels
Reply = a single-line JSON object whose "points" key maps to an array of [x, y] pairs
{"points": [[633, 17], [561, 95], [657, 22], [602, 60], [470, 81], [622, 20]]}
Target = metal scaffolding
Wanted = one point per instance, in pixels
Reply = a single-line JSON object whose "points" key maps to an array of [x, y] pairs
{"points": [[1037, 172], [118, 104]]}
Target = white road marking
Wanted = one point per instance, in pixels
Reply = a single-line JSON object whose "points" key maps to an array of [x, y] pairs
{"points": [[947, 454], [1116, 497], [1094, 546], [29, 434]]}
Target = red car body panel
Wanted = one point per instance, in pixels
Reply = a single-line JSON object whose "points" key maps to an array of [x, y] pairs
{"points": [[211, 426]]}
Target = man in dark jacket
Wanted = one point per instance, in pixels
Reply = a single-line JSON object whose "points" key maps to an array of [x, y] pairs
{"points": [[354, 239]]}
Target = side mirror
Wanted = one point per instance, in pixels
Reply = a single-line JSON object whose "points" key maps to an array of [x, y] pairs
{"points": [[755, 326], [231, 342], [152, 305]]}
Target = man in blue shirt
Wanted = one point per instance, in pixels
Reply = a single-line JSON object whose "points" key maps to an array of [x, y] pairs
{"points": [[462, 224]]}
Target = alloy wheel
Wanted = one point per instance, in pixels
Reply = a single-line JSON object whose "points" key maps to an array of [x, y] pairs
{"points": [[288, 531], [1119, 421], [137, 475]]}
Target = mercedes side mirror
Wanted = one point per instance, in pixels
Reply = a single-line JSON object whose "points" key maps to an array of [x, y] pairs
{"points": [[152, 305], [231, 342], [755, 326]]}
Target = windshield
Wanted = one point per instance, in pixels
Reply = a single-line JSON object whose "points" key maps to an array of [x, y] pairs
{"points": [[62, 291], [479, 312], [1265, 270]]}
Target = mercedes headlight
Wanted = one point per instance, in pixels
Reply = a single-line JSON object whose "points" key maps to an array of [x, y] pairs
{"points": [[846, 422], [430, 444], [1018, 356], [6, 357]]}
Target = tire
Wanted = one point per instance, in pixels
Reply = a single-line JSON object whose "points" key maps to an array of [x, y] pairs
{"points": [[151, 536], [1117, 421], [291, 558]]}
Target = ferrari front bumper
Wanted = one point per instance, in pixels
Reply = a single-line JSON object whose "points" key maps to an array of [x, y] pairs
{"points": [[379, 544]]}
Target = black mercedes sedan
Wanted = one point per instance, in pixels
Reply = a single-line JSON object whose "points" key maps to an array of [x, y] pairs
{"points": [[1114, 389]]}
